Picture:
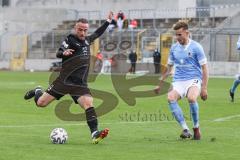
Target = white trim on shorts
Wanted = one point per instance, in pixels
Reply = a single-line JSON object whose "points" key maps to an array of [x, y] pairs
{"points": [[182, 86]]}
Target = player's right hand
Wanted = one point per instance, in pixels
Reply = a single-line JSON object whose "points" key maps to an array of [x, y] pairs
{"points": [[157, 90], [204, 94], [68, 52]]}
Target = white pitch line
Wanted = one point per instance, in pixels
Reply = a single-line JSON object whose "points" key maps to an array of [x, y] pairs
{"points": [[110, 123], [226, 118]]}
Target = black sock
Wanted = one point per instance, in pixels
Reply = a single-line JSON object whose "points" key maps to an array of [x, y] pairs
{"points": [[91, 118], [38, 94]]}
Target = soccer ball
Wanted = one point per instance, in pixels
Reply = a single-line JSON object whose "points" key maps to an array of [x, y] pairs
{"points": [[58, 136]]}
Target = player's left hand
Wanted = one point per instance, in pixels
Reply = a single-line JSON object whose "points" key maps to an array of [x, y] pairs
{"points": [[110, 15], [204, 94]]}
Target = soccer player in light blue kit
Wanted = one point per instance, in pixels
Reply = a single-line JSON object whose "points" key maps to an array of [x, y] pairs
{"points": [[237, 80], [190, 78]]}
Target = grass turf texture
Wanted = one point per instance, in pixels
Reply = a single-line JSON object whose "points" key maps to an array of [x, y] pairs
{"points": [[137, 132]]}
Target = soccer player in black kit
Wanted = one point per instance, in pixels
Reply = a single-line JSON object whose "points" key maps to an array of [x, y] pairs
{"points": [[75, 54]]}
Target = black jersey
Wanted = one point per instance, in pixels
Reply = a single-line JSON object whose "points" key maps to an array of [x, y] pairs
{"points": [[156, 57], [132, 57], [75, 67]]}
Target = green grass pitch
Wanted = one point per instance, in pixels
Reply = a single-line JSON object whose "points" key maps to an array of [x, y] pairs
{"points": [[134, 131]]}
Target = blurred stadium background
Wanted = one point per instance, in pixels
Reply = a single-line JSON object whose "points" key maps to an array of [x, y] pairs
{"points": [[32, 30]]}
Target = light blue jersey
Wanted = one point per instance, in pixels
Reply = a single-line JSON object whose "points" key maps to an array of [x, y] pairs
{"points": [[187, 61]]}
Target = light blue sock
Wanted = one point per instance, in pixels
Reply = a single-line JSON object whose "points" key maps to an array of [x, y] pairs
{"points": [[235, 84], [194, 109], [178, 114]]}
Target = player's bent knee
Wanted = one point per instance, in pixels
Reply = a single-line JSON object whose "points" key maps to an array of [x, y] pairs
{"points": [[192, 99], [86, 104], [86, 101], [171, 98]]}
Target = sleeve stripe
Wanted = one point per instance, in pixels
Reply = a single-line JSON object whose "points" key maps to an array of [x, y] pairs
{"points": [[170, 62], [203, 61]]}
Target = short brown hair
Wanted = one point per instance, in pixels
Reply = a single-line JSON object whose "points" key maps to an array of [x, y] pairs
{"points": [[82, 20], [179, 25]]}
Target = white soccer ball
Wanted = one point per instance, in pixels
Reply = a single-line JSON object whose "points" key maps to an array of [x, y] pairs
{"points": [[58, 136]]}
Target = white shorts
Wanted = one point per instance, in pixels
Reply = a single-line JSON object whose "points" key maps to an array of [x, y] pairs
{"points": [[237, 76], [182, 86]]}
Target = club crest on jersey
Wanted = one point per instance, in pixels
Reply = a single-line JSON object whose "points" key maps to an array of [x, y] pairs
{"points": [[189, 54]]}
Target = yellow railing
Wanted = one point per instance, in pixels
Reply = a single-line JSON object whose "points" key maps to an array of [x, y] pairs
{"points": [[19, 52], [138, 47], [166, 41]]}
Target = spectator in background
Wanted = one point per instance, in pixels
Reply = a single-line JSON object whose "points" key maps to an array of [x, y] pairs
{"points": [[106, 65], [120, 20], [98, 62], [133, 24], [125, 24], [133, 59], [120, 24], [157, 60], [120, 15]]}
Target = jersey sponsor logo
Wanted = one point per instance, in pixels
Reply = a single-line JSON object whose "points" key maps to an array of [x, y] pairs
{"points": [[182, 61], [85, 50]]}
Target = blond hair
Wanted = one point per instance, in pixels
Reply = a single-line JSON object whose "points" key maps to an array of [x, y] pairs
{"points": [[180, 24]]}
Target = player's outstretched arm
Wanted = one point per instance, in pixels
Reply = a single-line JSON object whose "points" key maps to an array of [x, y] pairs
{"points": [[102, 28], [163, 78]]}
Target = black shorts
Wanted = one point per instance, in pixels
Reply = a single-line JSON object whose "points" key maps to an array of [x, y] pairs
{"points": [[58, 89]]}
